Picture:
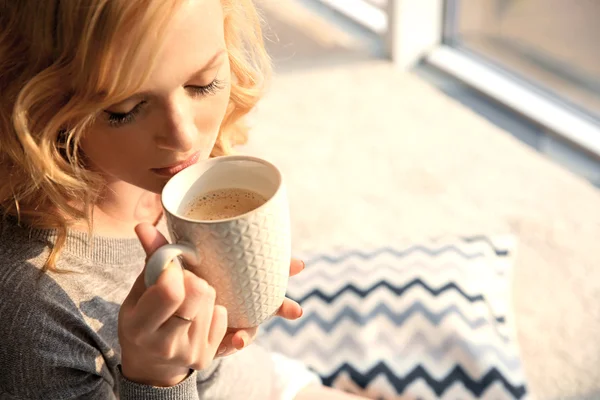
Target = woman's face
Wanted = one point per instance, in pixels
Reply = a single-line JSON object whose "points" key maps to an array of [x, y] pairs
{"points": [[174, 119]]}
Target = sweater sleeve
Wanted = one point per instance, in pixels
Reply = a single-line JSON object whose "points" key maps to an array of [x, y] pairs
{"points": [[185, 390], [49, 351]]}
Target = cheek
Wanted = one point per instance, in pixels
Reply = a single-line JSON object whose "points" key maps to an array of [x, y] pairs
{"points": [[103, 153], [211, 111]]}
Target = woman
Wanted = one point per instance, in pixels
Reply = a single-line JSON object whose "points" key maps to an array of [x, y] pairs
{"points": [[100, 102]]}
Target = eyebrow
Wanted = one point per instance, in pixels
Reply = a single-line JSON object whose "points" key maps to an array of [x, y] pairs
{"points": [[205, 68]]}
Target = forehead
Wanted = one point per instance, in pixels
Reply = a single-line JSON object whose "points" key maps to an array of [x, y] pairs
{"points": [[191, 39]]}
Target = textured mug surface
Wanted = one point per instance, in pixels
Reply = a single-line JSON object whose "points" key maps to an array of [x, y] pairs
{"points": [[245, 258]]}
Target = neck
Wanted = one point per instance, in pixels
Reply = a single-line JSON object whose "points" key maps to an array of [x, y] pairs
{"points": [[121, 207]]}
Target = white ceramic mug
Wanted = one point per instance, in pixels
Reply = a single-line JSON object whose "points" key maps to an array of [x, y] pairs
{"points": [[245, 258]]}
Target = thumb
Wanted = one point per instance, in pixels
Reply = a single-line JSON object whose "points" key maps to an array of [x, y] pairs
{"points": [[150, 238]]}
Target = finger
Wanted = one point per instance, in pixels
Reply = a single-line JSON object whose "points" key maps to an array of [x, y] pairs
{"points": [[236, 339], [218, 328], [290, 309], [296, 266], [199, 304], [243, 338], [198, 295], [226, 348], [150, 238], [160, 301]]}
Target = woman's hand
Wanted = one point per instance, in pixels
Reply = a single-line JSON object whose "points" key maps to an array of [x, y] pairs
{"points": [[158, 348]]}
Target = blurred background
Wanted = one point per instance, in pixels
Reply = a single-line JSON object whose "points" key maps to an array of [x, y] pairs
{"points": [[420, 118]]}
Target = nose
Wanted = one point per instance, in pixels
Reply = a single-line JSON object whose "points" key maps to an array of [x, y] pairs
{"points": [[179, 130]]}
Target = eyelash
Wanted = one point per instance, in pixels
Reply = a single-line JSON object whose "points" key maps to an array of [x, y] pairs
{"points": [[212, 88], [116, 120]]}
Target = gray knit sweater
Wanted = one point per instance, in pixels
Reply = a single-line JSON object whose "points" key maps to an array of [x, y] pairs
{"points": [[58, 331]]}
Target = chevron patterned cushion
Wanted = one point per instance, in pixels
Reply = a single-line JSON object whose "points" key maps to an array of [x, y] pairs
{"points": [[414, 321]]}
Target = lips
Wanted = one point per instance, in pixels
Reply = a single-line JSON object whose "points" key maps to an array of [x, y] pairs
{"points": [[175, 168]]}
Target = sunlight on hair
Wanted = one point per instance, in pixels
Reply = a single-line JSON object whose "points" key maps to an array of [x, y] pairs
{"points": [[60, 64]]}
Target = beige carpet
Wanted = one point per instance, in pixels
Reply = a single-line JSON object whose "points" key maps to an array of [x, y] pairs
{"points": [[370, 154]]}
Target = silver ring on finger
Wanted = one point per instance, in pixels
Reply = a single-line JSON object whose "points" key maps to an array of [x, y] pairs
{"points": [[181, 317]]}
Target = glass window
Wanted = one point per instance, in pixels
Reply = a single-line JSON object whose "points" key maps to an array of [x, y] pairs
{"points": [[554, 44]]}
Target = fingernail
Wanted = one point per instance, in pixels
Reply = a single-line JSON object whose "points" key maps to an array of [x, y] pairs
{"points": [[303, 265], [301, 312], [222, 349], [243, 344]]}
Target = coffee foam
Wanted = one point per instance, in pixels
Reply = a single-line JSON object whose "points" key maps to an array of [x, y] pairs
{"points": [[223, 204]]}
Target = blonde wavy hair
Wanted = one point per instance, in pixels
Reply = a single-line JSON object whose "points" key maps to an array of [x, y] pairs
{"points": [[60, 64]]}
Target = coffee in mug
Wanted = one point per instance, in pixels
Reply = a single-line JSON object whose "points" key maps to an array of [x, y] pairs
{"points": [[223, 204], [241, 249]]}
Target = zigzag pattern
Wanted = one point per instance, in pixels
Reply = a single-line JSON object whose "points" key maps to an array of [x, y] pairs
{"points": [[325, 362], [416, 295], [479, 238], [368, 275], [381, 309], [476, 387], [402, 253], [381, 389], [389, 258], [375, 390], [397, 290], [349, 345], [422, 321], [417, 323]]}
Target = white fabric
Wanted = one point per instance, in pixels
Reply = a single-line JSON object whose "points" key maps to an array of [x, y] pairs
{"points": [[291, 377]]}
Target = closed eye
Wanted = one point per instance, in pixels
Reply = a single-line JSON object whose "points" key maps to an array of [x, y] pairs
{"points": [[118, 119], [212, 88]]}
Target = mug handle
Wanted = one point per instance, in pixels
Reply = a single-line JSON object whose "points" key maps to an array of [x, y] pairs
{"points": [[162, 257]]}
